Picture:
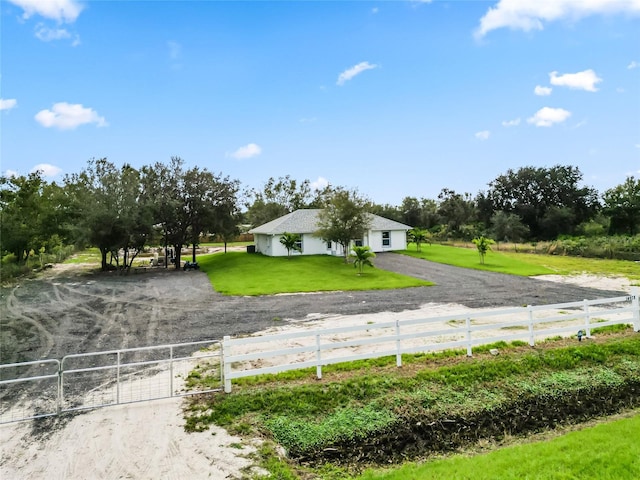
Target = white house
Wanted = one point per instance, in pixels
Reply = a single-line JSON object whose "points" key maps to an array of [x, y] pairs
{"points": [[383, 235]]}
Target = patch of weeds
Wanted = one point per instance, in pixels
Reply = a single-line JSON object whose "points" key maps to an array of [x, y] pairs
{"points": [[620, 327], [299, 435], [278, 468]]}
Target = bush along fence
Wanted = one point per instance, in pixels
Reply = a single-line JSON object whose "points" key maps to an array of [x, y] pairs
{"points": [[270, 354]]}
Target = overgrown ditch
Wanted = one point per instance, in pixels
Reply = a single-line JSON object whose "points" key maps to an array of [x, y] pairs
{"points": [[378, 415]]}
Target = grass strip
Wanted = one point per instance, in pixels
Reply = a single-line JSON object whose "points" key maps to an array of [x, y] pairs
{"points": [[379, 413]]}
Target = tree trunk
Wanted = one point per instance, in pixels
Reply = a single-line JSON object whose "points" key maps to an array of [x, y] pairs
{"points": [[176, 258], [193, 253], [103, 254]]}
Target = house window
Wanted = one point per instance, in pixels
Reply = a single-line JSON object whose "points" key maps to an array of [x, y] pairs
{"points": [[299, 245], [358, 242], [328, 245], [386, 239]]}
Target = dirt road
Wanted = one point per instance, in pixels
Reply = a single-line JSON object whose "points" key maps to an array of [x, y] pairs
{"points": [[66, 312]]}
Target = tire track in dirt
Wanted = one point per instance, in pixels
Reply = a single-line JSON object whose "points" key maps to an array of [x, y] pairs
{"points": [[14, 307]]}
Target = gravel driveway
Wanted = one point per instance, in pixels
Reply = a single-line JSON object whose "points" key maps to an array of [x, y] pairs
{"points": [[65, 313]]}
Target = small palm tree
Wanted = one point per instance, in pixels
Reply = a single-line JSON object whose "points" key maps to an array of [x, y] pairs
{"points": [[291, 242], [483, 244], [362, 256], [419, 236]]}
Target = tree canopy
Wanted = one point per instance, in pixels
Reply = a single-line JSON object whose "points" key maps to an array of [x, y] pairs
{"points": [[345, 217]]}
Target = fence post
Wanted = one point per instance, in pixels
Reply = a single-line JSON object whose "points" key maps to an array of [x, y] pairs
{"points": [[226, 366], [318, 358], [398, 351], [587, 319], [469, 348], [532, 340], [171, 371], [118, 379], [59, 400], [635, 304]]}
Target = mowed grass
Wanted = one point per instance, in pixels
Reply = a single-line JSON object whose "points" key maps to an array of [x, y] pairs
{"points": [[469, 258], [605, 452], [566, 265], [91, 255], [241, 273]]}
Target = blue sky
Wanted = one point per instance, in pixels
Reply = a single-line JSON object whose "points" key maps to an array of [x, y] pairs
{"points": [[395, 98]]}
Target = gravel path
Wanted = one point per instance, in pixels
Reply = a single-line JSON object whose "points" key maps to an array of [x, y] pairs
{"points": [[65, 313]]}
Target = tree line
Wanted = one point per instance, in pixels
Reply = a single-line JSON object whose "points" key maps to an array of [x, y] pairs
{"points": [[120, 210]]}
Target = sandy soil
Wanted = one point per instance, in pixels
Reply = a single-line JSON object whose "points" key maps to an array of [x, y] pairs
{"points": [[64, 313]]}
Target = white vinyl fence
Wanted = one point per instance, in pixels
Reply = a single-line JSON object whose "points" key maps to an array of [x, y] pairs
{"points": [[45, 388], [268, 354]]}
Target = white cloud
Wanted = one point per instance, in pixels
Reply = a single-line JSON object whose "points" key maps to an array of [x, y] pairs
{"points": [[375, 10], [47, 34], [319, 184], [530, 15], [8, 103], [542, 91], [547, 116], [511, 123], [60, 10], [483, 135], [353, 71], [67, 116], [47, 169], [633, 65], [248, 151], [585, 80], [11, 173]]}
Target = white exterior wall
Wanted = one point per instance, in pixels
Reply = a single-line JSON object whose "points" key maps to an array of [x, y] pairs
{"points": [[312, 245], [270, 245], [398, 240], [263, 243]]}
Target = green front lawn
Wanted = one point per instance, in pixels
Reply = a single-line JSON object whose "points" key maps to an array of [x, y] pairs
{"points": [[241, 273], [469, 258], [606, 451]]}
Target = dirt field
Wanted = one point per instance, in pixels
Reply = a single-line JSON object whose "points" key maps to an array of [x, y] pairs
{"points": [[65, 312]]}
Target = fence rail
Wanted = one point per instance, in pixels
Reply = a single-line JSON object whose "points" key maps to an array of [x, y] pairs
{"points": [[269, 354], [100, 379]]}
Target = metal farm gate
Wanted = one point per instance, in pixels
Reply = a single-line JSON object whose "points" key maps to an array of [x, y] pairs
{"points": [[83, 381]]}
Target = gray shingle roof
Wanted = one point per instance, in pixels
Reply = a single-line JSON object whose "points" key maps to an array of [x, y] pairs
{"points": [[306, 221]]}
